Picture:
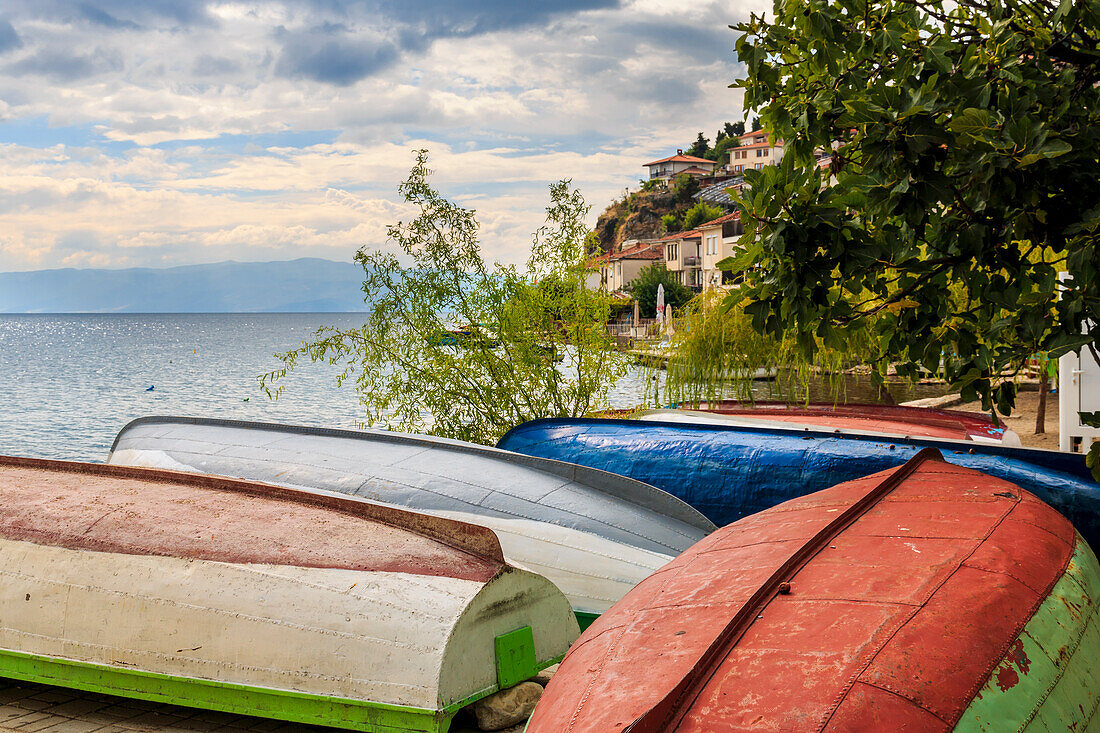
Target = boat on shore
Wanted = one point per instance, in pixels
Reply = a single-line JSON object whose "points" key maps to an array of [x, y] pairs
{"points": [[593, 534], [728, 472], [891, 420], [925, 598], [229, 595]]}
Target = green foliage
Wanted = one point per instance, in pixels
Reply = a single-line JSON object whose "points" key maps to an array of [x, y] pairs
{"points": [[671, 223], [592, 243], [644, 289], [699, 147], [650, 184], [717, 351], [701, 213], [966, 168], [756, 124], [720, 152], [504, 373], [684, 187]]}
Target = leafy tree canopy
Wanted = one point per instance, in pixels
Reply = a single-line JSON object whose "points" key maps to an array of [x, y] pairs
{"points": [[457, 348], [683, 187], [644, 289], [965, 177], [701, 213]]}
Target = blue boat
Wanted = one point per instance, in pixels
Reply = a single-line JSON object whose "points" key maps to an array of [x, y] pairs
{"points": [[729, 472]]}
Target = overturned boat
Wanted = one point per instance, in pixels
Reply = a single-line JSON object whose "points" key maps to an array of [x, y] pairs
{"points": [[926, 598], [887, 420], [229, 595], [593, 534], [728, 472]]}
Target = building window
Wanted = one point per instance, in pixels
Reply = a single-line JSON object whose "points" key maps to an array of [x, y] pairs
{"points": [[758, 139], [738, 168], [761, 152], [758, 166]]}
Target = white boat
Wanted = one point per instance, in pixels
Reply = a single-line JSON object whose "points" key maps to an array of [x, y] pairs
{"points": [[223, 594], [593, 534]]}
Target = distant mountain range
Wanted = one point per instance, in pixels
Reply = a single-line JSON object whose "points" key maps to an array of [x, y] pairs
{"points": [[308, 285]]}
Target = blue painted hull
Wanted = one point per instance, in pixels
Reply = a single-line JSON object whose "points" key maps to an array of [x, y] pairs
{"points": [[730, 472]]}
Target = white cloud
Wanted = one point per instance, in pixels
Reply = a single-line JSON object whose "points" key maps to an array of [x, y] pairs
{"points": [[505, 106]]}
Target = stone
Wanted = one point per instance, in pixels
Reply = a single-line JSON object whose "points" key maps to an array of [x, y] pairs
{"points": [[507, 708], [543, 677]]}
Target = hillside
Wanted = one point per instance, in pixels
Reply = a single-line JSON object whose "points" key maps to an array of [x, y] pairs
{"points": [[304, 285], [637, 216]]}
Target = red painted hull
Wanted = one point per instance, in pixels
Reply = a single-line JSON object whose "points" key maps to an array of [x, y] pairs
{"points": [[879, 604], [142, 511], [890, 419]]}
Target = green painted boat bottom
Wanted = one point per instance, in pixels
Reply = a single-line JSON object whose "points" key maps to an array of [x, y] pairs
{"points": [[288, 705], [1049, 681], [585, 618]]}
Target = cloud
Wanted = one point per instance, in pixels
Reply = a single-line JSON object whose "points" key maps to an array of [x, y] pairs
{"points": [[99, 17], [9, 39], [63, 65], [331, 53], [233, 128]]}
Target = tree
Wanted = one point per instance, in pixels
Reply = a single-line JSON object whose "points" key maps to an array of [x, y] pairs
{"points": [[756, 124], [965, 179], [734, 129], [459, 349], [644, 289], [720, 152], [699, 147], [684, 187], [701, 213], [670, 223]]}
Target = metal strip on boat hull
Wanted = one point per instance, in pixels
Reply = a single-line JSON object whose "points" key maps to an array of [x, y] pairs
{"points": [[593, 534], [731, 472]]}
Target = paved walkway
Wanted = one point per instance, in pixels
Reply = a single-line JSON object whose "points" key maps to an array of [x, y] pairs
{"points": [[28, 708]]}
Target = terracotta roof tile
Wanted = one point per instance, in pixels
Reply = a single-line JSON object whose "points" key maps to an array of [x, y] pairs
{"points": [[682, 159]]}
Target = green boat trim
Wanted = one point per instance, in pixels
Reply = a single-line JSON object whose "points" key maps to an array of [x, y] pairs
{"points": [[1049, 680], [228, 697], [585, 618]]}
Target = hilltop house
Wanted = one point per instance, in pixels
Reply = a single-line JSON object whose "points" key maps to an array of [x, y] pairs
{"points": [[754, 152], [618, 269], [667, 168]]}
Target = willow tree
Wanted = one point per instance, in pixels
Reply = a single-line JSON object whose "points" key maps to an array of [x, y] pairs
{"points": [[456, 347], [717, 353], [964, 141]]}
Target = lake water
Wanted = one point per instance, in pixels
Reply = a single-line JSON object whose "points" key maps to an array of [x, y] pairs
{"points": [[69, 383]]}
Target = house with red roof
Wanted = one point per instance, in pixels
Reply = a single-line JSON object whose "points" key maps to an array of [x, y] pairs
{"points": [[755, 151], [682, 257], [719, 240], [674, 165], [618, 269]]}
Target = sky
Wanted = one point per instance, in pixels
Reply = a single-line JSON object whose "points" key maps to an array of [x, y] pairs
{"points": [[165, 132]]}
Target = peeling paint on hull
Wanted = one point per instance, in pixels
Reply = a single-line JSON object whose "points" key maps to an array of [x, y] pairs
{"points": [[926, 598], [259, 600]]}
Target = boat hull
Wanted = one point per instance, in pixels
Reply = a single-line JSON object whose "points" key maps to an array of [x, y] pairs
{"points": [[127, 592], [592, 534], [731, 472], [926, 598]]}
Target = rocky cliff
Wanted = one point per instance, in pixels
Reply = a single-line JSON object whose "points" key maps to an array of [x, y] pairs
{"points": [[637, 216]]}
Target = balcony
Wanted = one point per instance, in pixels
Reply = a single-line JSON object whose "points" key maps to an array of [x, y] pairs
{"points": [[692, 261]]}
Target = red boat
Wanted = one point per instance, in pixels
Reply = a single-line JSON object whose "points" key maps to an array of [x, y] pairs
{"points": [[926, 598], [924, 422]]}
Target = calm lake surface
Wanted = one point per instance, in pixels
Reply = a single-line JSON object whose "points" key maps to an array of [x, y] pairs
{"points": [[69, 383]]}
